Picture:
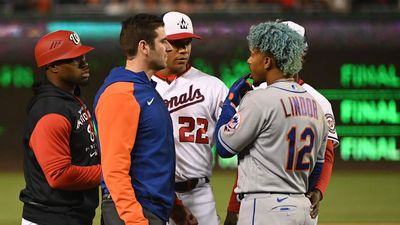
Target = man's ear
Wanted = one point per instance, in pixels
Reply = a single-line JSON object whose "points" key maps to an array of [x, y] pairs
{"points": [[143, 47], [53, 68], [268, 62]]}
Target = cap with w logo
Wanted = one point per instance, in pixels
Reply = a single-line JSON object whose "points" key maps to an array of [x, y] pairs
{"points": [[178, 26], [58, 45]]}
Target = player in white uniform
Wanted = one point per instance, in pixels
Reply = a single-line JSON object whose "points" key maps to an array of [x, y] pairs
{"points": [[194, 101], [279, 132], [327, 109]]}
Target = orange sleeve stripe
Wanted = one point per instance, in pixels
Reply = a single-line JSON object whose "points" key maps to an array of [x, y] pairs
{"points": [[117, 114], [326, 173], [50, 143]]}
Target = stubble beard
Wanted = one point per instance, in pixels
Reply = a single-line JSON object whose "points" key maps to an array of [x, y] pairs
{"points": [[156, 66]]}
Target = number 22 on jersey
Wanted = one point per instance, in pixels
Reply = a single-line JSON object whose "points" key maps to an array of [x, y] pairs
{"points": [[190, 124], [295, 157]]}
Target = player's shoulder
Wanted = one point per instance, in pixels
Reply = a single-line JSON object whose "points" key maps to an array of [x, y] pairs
{"points": [[51, 104], [204, 77], [262, 92], [258, 97], [316, 95]]}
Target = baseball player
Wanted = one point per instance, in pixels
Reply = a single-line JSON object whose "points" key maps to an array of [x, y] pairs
{"points": [[279, 132], [314, 194], [61, 157], [193, 99], [316, 191]]}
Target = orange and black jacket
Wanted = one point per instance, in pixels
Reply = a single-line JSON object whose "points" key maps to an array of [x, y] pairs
{"points": [[61, 160], [137, 146]]}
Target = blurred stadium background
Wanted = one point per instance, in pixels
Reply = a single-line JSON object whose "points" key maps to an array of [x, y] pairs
{"points": [[353, 60]]}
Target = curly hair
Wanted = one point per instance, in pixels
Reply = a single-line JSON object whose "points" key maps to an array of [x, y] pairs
{"points": [[285, 44]]}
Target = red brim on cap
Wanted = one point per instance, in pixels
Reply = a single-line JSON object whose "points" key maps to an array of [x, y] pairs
{"points": [[78, 51], [81, 50], [50, 57], [179, 36]]}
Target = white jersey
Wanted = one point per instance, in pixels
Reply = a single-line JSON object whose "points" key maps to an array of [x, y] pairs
{"points": [[194, 101], [327, 109], [283, 129]]}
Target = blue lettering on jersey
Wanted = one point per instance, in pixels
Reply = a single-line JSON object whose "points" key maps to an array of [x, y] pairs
{"points": [[299, 106]]}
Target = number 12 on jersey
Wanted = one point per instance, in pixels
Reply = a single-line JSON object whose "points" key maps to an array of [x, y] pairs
{"points": [[295, 157]]}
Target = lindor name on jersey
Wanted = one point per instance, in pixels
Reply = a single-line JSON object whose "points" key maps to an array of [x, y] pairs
{"points": [[299, 106]]}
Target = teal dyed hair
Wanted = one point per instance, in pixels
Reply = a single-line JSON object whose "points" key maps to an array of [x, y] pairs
{"points": [[285, 44]]}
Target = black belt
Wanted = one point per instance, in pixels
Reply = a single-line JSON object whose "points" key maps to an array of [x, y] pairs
{"points": [[148, 198], [189, 185], [241, 196]]}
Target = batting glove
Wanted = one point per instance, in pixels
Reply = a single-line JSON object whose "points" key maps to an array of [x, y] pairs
{"points": [[236, 92], [239, 89]]}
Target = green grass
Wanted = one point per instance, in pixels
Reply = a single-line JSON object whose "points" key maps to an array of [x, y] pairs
{"points": [[11, 207], [362, 197], [353, 197]]}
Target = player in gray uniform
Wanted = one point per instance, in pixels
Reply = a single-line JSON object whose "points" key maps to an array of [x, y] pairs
{"points": [[279, 132], [317, 191]]}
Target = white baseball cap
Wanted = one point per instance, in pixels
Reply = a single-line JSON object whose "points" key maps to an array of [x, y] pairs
{"points": [[296, 27], [178, 26]]}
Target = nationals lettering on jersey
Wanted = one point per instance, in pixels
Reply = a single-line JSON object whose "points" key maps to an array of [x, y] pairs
{"points": [[193, 100], [186, 99]]}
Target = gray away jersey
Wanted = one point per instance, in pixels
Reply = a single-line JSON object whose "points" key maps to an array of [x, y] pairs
{"points": [[280, 133]]}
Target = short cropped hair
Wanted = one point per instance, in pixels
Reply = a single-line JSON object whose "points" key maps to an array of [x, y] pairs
{"points": [[285, 45], [137, 28]]}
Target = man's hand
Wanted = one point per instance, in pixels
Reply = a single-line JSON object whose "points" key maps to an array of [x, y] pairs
{"points": [[315, 197], [231, 218], [182, 216], [239, 89]]}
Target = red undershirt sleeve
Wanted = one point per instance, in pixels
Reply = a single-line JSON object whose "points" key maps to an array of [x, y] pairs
{"points": [[50, 144], [234, 205], [322, 183]]}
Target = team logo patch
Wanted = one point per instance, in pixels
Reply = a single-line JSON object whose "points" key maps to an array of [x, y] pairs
{"points": [[233, 123], [331, 123], [75, 38], [183, 24]]}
